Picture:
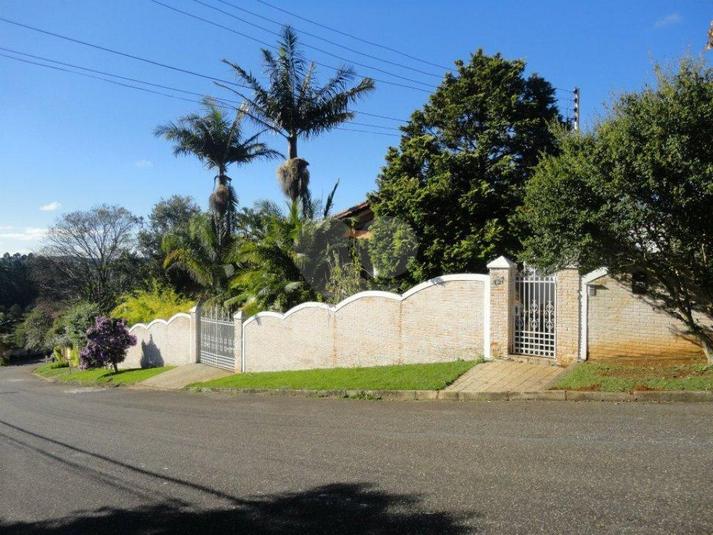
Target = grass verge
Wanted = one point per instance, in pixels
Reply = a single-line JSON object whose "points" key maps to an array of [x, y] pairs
{"points": [[597, 376], [100, 376], [401, 377]]}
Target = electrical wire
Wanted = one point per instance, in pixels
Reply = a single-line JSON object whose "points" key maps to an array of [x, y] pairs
{"points": [[372, 43], [228, 28], [333, 43], [221, 103]]}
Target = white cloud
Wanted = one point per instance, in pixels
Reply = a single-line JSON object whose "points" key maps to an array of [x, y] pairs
{"points": [[143, 164], [50, 206], [26, 234], [668, 20]]}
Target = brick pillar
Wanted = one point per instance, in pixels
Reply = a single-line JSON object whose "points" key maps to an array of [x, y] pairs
{"points": [[568, 318], [238, 341], [502, 298], [195, 313]]}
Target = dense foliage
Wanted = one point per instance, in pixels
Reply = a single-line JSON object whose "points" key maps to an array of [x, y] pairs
{"points": [[635, 195], [168, 216], [459, 172], [107, 342], [144, 306], [70, 327]]}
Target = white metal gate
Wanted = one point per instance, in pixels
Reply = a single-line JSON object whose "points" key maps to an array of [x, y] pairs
{"points": [[535, 314], [217, 338]]}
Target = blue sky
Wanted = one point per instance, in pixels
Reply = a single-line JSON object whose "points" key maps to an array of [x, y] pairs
{"points": [[68, 142]]}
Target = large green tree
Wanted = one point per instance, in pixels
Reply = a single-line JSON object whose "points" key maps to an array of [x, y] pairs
{"points": [[168, 216], [636, 195], [217, 141], [459, 172], [295, 106]]}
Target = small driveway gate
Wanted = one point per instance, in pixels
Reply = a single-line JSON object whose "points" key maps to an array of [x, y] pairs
{"points": [[535, 313], [217, 338]]}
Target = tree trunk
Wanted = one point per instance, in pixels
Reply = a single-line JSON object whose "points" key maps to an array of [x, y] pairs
{"points": [[292, 145], [116, 368], [707, 344]]}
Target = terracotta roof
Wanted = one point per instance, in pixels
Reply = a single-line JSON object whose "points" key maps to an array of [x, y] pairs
{"points": [[354, 211]]}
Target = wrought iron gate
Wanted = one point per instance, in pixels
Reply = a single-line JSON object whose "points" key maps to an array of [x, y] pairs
{"points": [[217, 338], [535, 314]]}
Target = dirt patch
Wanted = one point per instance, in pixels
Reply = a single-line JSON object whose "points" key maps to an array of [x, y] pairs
{"points": [[651, 361], [630, 371]]}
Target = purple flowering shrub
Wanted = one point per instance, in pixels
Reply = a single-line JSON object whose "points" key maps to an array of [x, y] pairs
{"points": [[107, 342]]}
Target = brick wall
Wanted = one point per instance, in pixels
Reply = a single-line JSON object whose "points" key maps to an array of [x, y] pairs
{"points": [[622, 324], [567, 316], [161, 343], [441, 320]]}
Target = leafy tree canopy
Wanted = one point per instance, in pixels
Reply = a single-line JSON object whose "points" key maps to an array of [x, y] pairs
{"points": [[168, 216], [460, 169], [635, 195]]}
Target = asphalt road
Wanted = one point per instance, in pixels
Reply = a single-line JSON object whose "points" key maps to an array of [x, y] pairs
{"points": [[77, 460]]}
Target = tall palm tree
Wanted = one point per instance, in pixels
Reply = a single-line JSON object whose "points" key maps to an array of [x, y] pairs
{"points": [[217, 142], [294, 106]]}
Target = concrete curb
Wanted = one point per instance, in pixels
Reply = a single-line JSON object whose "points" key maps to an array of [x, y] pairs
{"points": [[448, 395]]}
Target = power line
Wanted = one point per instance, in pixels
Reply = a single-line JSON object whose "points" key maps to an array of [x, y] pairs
{"points": [[119, 53], [107, 80], [157, 63], [218, 25], [323, 51], [366, 131], [105, 73], [222, 103], [333, 43], [372, 43]]}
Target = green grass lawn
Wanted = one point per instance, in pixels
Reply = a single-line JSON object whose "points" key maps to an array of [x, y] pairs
{"points": [[603, 377], [100, 376], [401, 377]]}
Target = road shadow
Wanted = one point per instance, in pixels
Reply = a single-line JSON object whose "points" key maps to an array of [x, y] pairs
{"points": [[343, 508], [340, 508]]}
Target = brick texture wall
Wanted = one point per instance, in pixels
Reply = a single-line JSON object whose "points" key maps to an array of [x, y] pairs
{"points": [[502, 297], [622, 324], [567, 316], [441, 322]]}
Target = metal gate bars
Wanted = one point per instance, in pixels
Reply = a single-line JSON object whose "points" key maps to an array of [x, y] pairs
{"points": [[217, 338], [535, 312]]}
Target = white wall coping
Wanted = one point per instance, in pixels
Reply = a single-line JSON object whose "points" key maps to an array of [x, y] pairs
{"points": [[594, 275], [459, 277], [160, 321]]}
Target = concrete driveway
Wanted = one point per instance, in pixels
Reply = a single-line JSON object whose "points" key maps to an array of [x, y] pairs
{"points": [[76, 460]]}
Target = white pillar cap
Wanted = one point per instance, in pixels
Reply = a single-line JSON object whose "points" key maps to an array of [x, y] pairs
{"points": [[501, 263]]}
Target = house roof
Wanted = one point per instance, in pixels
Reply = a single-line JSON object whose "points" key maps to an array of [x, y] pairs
{"points": [[360, 211]]}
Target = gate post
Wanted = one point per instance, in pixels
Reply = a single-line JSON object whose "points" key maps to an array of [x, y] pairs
{"points": [[238, 341], [567, 320], [502, 297], [195, 313]]}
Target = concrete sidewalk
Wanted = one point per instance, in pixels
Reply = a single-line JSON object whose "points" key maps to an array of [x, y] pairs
{"points": [[506, 376], [182, 376]]}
